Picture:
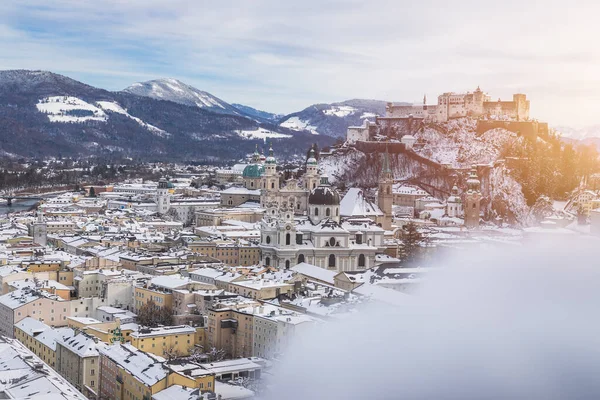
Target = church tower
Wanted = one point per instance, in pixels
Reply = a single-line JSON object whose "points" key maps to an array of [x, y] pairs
{"points": [[40, 230], [472, 200], [163, 200], [385, 197], [311, 179]]}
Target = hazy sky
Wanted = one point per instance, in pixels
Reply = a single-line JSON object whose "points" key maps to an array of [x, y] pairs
{"points": [[282, 56]]}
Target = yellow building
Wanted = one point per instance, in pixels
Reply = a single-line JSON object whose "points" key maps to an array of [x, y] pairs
{"points": [[165, 341], [41, 338], [160, 297], [129, 373]]}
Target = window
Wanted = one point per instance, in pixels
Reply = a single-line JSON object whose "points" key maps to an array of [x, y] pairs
{"points": [[331, 260], [92, 383], [316, 211], [268, 239], [272, 185], [287, 264], [268, 261], [361, 260], [288, 239], [359, 238], [298, 238], [328, 212], [332, 242], [300, 258]]}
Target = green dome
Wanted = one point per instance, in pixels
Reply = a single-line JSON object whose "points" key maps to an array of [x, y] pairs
{"points": [[253, 171], [170, 185]]}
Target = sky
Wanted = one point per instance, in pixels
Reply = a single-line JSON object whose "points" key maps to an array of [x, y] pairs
{"points": [[282, 56]]}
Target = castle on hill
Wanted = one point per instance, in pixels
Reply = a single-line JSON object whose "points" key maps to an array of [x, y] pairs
{"points": [[469, 104]]}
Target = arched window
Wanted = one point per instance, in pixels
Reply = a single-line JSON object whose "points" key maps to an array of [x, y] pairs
{"points": [[268, 261], [316, 211], [332, 242], [300, 258], [268, 239], [331, 261], [314, 185], [361, 260], [337, 212], [252, 184], [272, 185], [359, 238], [288, 239], [327, 212], [298, 238], [287, 264]]}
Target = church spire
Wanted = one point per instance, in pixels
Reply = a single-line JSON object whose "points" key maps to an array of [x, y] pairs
{"points": [[386, 171]]}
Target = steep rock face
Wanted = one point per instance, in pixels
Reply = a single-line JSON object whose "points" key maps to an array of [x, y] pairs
{"points": [[454, 144], [45, 114]]}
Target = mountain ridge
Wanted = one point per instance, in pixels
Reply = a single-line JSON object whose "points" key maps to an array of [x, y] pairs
{"points": [[43, 114]]}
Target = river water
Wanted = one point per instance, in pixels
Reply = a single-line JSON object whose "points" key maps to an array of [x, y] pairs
{"points": [[17, 206]]}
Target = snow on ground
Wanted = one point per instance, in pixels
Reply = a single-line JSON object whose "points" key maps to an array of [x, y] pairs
{"points": [[366, 115], [456, 143], [70, 109], [297, 124], [340, 111], [74, 110], [261, 133], [115, 107], [506, 196]]}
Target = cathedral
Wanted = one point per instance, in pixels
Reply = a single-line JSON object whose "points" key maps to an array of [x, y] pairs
{"points": [[303, 222]]}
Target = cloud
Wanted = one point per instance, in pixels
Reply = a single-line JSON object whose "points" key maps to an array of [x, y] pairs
{"points": [[283, 56], [490, 324]]}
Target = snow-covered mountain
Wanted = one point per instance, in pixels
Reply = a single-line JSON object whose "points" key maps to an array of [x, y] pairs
{"points": [[182, 93], [335, 118], [588, 132], [46, 114], [259, 115]]}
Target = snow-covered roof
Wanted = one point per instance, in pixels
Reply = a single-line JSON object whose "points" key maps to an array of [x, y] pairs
{"points": [[25, 376], [312, 271], [147, 368], [355, 204]]}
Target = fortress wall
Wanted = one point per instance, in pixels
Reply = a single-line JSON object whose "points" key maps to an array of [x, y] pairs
{"points": [[530, 129]]}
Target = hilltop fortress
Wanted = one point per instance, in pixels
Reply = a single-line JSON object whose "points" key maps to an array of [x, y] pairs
{"points": [[401, 122], [469, 104]]}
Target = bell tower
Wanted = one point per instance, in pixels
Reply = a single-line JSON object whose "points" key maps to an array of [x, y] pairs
{"points": [[385, 198], [311, 180], [472, 200]]}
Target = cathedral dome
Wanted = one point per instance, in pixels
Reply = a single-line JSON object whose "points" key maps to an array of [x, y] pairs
{"points": [[324, 195], [253, 171]]}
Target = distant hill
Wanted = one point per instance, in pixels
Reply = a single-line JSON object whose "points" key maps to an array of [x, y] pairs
{"points": [[263, 116], [44, 114], [335, 118], [182, 93]]}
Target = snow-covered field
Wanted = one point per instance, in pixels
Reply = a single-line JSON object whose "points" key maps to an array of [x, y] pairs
{"points": [[340, 111], [367, 115], [115, 107], [261, 133], [65, 109], [62, 109], [297, 124]]}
